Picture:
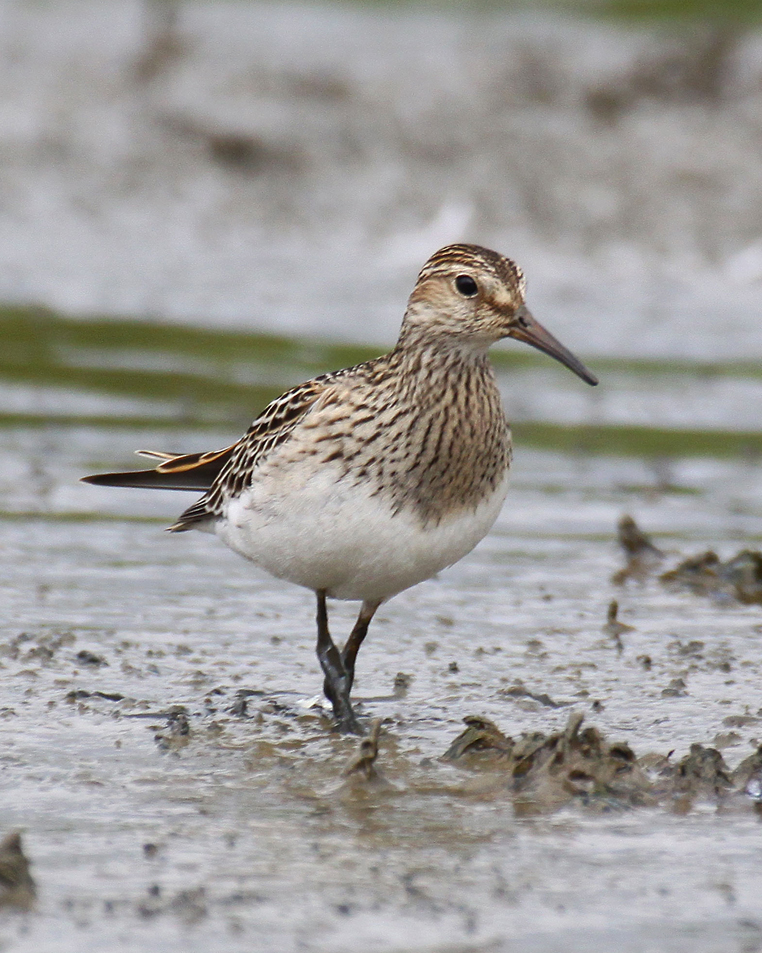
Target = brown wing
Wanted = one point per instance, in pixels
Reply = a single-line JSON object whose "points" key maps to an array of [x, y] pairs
{"points": [[221, 474], [273, 426]]}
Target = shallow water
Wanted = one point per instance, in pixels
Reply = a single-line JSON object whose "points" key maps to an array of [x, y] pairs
{"points": [[259, 840]]}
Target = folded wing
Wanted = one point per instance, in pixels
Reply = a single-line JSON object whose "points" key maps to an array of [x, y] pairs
{"points": [[221, 474]]}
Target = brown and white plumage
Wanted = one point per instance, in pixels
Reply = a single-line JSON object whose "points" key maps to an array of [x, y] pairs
{"points": [[365, 481]]}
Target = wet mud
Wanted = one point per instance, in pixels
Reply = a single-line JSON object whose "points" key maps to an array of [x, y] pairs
{"points": [[177, 782]]}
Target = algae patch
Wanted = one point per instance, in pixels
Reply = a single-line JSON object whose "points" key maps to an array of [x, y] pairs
{"points": [[180, 375]]}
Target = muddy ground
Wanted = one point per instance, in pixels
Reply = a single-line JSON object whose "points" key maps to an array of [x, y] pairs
{"points": [[177, 782]]}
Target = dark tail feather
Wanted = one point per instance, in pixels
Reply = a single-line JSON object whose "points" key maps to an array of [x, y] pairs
{"points": [[191, 471], [149, 480]]}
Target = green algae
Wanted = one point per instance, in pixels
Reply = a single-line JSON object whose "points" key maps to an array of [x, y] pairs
{"points": [[211, 377], [637, 441], [740, 12]]}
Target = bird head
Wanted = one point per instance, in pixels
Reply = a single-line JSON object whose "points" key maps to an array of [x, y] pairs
{"points": [[470, 296]]}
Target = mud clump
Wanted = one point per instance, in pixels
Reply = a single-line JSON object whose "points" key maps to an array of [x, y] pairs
{"points": [[703, 772], [17, 888], [642, 556], [177, 732], [483, 736], [613, 627], [546, 772], [363, 762], [738, 579]]}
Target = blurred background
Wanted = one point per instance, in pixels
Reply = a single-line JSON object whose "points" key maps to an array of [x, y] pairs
{"points": [[266, 179]]}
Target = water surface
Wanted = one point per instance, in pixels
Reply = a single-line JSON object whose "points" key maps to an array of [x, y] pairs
{"points": [[244, 834]]}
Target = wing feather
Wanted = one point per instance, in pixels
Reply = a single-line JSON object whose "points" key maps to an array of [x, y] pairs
{"points": [[272, 428], [221, 474]]}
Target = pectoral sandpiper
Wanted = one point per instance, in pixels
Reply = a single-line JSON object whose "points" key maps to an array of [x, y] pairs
{"points": [[365, 481]]}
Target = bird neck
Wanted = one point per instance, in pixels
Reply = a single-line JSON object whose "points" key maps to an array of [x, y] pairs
{"points": [[434, 352]]}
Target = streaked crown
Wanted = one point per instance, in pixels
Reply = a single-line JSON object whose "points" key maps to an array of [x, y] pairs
{"points": [[477, 259]]}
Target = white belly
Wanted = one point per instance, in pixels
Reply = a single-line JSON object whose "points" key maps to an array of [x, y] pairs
{"points": [[336, 537]]}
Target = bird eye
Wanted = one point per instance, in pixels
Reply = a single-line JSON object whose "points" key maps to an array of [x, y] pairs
{"points": [[466, 286]]}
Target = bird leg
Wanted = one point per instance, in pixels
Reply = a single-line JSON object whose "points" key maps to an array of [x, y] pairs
{"points": [[356, 638], [349, 652], [337, 682]]}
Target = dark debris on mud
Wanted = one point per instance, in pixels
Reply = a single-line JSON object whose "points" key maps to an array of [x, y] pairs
{"points": [[738, 579], [545, 772], [17, 887], [188, 905], [363, 762], [641, 554]]}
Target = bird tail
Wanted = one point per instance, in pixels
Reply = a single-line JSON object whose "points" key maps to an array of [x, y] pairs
{"points": [[175, 471]]}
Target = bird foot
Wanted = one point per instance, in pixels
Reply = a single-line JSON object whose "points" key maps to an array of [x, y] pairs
{"points": [[347, 724], [337, 692]]}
